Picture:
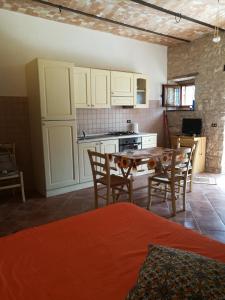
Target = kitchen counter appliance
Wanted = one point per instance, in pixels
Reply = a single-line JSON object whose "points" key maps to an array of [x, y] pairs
{"points": [[130, 143]]}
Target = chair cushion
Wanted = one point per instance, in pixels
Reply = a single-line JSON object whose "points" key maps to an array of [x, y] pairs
{"points": [[169, 273]]}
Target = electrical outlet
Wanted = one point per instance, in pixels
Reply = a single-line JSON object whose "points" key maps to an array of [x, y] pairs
{"points": [[128, 121], [214, 125]]}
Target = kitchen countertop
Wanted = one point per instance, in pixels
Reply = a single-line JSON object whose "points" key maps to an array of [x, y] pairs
{"points": [[107, 136]]}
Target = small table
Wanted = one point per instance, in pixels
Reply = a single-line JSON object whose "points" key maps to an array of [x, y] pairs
{"points": [[153, 157]]}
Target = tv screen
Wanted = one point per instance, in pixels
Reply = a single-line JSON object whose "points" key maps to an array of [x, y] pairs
{"points": [[191, 126]]}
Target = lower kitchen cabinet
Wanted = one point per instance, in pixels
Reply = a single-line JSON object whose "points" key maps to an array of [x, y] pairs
{"points": [[84, 164], [108, 146], [60, 154], [148, 141]]}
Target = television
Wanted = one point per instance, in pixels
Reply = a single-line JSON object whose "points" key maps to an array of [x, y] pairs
{"points": [[191, 126]]}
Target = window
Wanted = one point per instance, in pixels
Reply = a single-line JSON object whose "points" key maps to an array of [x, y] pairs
{"points": [[177, 96]]}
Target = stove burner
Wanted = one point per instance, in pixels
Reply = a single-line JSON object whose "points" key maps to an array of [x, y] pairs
{"points": [[121, 133]]}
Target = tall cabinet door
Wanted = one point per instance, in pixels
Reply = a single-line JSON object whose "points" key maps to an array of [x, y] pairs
{"points": [[82, 86], [100, 88], [60, 154], [122, 84], [84, 163], [56, 90], [110, 146]]}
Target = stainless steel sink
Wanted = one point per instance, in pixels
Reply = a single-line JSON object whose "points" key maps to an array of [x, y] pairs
{"points": [[91, 137]]}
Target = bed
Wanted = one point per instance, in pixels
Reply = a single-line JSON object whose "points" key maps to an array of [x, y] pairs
{"points": [[93, 256]]}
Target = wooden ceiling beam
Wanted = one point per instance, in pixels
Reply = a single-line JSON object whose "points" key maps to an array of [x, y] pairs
{"points": [[60, 7], [175, 14]]}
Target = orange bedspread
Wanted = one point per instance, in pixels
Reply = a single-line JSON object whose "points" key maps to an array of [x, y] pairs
{"points": [[93, 256]]}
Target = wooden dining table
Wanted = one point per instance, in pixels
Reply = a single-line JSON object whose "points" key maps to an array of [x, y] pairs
{"points": [[128, 161]]}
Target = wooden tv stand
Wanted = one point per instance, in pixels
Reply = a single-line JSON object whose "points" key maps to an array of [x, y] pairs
{"points": [[199, 164]]}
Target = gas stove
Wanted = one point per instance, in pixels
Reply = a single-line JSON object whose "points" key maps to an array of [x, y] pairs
{"points": [[121, 133]]}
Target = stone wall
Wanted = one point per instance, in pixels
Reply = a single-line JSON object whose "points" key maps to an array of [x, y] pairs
{"points": [[208, 59]]}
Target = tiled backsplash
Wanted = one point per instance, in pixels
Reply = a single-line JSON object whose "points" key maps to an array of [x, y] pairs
{"points": [[115, 119]]}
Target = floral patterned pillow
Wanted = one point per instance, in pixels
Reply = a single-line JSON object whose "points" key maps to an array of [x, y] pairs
{"points": [[173, 274]]}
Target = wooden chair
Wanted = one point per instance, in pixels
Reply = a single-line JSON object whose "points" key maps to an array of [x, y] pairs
{"points": [[175, 142], [189, 142], [113, 184], [174, 182], [10, 176]]}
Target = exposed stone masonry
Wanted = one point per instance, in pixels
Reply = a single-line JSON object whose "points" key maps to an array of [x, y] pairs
{"points": [[208, 59]]}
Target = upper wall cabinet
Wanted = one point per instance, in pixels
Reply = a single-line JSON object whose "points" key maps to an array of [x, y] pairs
{"points": [[91, 88], [56, 90], [141, 90], [122, 84], [82, 83], [100, 88]]}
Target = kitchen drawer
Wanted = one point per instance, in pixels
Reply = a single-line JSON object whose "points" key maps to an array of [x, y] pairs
{"points": [[120, 101], [149, 141]]}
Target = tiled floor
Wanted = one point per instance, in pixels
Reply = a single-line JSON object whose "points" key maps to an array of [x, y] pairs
{"points": [[205, 208]]}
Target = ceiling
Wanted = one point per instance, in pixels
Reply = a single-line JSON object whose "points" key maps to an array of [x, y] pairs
{"points": [[131, 13]]}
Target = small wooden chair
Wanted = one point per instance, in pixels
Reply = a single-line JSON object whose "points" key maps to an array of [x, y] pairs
{"points": [[189, 142], [175, 142], [173, 181], [115, 185], [10, 176]]}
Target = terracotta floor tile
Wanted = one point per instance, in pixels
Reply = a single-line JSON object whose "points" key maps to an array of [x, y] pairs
{"points": [[205, 208]]}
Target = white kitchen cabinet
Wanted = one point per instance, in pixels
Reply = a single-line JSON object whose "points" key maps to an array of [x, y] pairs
{"points": [[60, 154], [122, 101], [100, 88], [91, 88], [53, 127], [56, 90], [84, 163], [107, 146], [82, 87], [149, 141], [122, 84], [141, 91]]}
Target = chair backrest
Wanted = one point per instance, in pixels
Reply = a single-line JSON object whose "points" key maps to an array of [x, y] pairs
{"points": [[181, 157], [189, 142], [175, 142], [7, 158], [100, 166]]}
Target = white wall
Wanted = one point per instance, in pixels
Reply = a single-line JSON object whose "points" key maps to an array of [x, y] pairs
{"points": [[23, 38]]}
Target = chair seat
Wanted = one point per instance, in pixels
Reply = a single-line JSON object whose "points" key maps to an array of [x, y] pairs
{"points": [[114, 180], [183, 168], [164, 178]]}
